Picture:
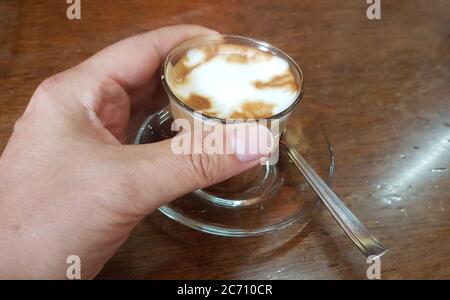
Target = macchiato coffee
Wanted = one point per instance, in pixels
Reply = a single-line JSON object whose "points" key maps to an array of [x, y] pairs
{"points": [[231, 81], [235, 79]]}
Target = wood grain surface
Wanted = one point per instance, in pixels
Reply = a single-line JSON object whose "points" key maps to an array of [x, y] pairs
{"points": [[380, 89]]}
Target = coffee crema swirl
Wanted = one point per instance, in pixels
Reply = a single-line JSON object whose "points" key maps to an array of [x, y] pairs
{"points": [[231, 81]]}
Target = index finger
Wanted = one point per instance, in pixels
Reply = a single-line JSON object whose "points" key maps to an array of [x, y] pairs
{"points": [[132, 62]]}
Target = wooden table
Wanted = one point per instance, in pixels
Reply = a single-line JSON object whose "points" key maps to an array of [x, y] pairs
{"points": [[381, 89]]}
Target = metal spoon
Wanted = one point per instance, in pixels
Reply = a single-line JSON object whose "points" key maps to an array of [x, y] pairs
{"points": [[366, 243]]}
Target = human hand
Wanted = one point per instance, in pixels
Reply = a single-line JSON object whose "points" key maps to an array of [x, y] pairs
{"points": [[68, 183]]}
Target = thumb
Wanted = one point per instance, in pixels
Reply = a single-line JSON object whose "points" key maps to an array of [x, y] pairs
{"points": [[163, 173]]}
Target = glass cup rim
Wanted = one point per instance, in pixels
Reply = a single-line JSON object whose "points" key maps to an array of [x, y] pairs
{"points": [[258, 44]]}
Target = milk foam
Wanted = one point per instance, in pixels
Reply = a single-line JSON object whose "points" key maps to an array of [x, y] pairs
{"points": [[233, 82]]}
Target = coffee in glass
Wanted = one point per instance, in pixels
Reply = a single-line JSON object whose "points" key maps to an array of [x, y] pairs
{"points": [[229, 80]]}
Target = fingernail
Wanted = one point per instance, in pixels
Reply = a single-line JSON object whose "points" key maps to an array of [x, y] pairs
{"points": [[252, 142]]}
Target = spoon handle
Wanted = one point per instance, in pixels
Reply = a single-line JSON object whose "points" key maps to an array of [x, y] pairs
{"points": [[366, 243]]}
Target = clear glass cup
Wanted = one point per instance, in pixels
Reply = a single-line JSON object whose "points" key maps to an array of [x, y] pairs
{"points": [[238, 190]]}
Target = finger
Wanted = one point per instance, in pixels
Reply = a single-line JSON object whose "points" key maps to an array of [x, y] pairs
{"points": [[162, 173], [132, 62], [102, 84]]}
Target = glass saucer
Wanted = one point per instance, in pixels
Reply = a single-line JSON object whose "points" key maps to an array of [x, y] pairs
{"points": [[285, 198]]}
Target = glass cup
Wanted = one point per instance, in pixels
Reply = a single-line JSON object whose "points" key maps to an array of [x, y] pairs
{"points": [[254, 185]]}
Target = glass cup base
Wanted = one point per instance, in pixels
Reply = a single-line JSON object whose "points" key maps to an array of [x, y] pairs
{"points": [[267, 183]]}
